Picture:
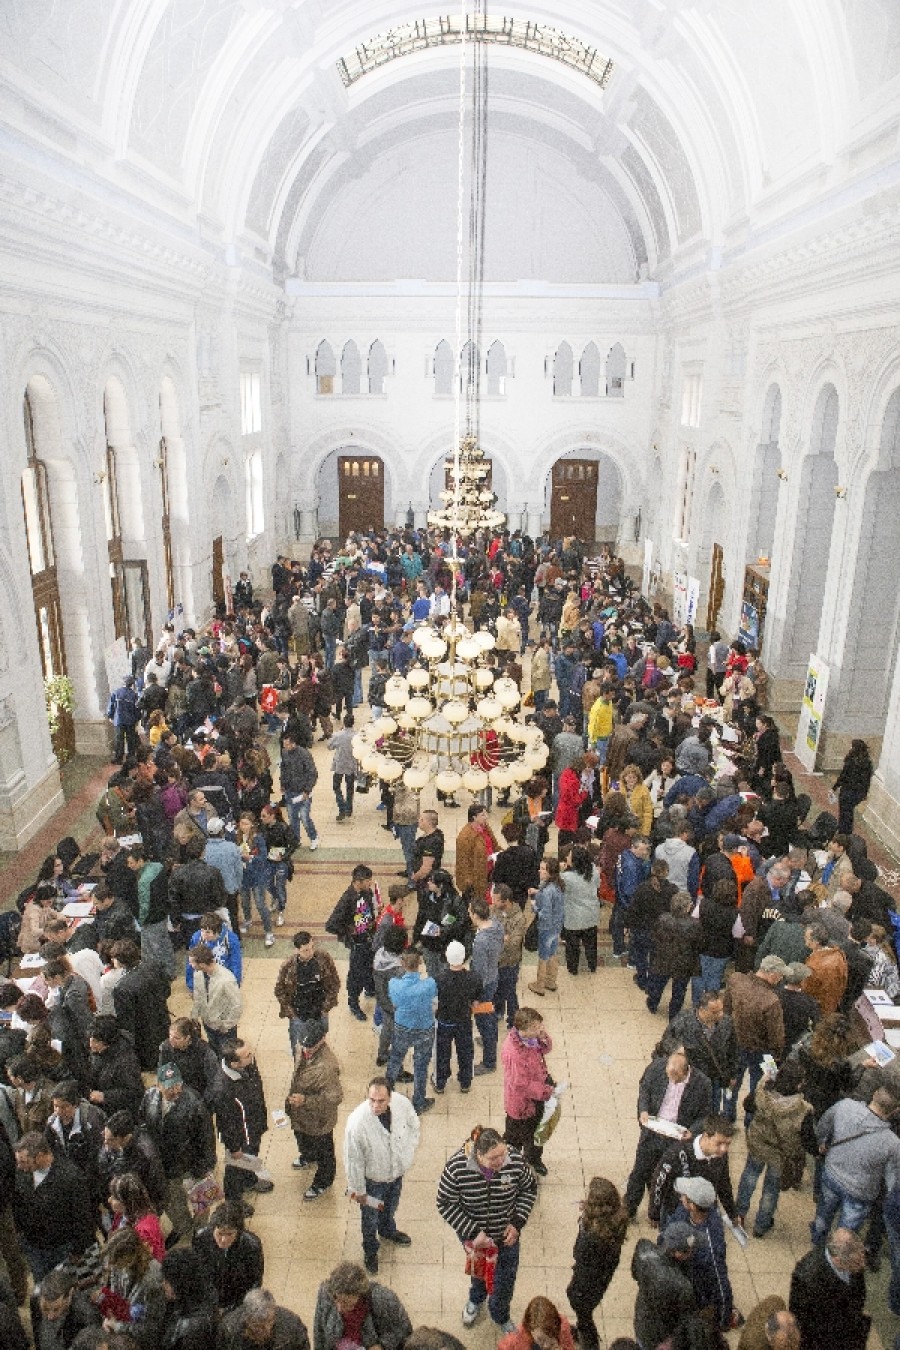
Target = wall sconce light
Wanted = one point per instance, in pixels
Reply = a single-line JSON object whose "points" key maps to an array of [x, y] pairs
{"points": [[224, 461], [714, 470], [782, 474], [840, 493], [158, 463], [100, 477]]}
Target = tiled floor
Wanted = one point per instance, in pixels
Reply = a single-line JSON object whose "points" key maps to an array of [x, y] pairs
{"points": [[603, 1037]]}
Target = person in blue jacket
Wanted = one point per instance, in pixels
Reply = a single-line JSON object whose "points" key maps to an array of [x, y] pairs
{"points": [[224, 943], [709, 1268], [632, 870], [124, 714]]}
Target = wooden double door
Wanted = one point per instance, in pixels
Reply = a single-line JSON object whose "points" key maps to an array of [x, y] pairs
{"points": [[360, 494], [573, 499]]}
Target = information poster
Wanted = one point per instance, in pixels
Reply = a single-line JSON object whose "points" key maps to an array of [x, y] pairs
{"points": [[692, 600], [648, 567], [809, 727], [748, 629], [680, 599]]}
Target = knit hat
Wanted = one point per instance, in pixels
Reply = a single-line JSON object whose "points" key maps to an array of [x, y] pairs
{"points": [[773, 965], [169, 1075], [731, 842], [698, 1189], [678, 1237], [455, 954]]}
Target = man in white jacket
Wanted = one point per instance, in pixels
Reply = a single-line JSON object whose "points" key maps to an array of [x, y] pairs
{"points": [[380, 1141]]}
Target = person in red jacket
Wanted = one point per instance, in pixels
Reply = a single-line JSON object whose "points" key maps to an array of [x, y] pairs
{"points": [[526, 1083], [543, 1328], [572, 794]]}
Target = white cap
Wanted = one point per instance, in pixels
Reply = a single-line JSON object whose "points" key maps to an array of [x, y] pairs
{"points": [[455, 954], [215, 825]]}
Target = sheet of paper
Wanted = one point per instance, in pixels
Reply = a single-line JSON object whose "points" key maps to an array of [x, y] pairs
{"points": [[78, 909]]}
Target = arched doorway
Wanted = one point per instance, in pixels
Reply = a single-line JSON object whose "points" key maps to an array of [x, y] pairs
{"points": [[711, 556], [586, 498], [812, 539], [352, 492]]}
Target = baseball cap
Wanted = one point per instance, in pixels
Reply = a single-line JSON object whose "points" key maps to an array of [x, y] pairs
{"points": [[678, 1237], [314, 1031], [215, 825], [733, 841], [698, 1189], [773, 965], [455, 954], [169, 1075]]}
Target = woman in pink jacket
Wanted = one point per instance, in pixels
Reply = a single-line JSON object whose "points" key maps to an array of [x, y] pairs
{"points": [[526, 1083], [543, 1328]]}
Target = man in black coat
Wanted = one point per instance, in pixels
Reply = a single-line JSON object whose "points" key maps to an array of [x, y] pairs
{"points": [[706, 1035], [353, 921], [9, 1242], [670, 1090], [182, 1130], [51, 1206], [114, 1080], [127, 1148], [665, 1294], [195, 888], [828, 1291], [241, 1117], [703, 1155], [140, 1000], [75, 1131]]}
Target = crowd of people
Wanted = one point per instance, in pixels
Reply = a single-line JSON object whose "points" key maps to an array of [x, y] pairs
{"points": [[665, 815]]}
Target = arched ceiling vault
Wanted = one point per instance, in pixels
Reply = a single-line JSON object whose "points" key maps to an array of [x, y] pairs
{"points": [[712, 109]]}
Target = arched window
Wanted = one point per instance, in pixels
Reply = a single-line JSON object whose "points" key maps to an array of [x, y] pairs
{"points": [[378, 367], [563, 371], [326, 368], [443, 370], [589, 371], [615, 372], [129, 578], [470, 369], [351, 369], [41, 556], [496, 369]]}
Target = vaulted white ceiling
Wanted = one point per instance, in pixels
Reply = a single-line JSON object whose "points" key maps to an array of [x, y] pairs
{"points": [[231, 114]]}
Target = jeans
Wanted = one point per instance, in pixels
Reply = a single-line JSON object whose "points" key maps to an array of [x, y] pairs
{"points": [[506, 1000], [650, 1149], [126, 739], [330, 650], [617, 928], [258, 894], [421, 1041], [504, 1284], [344, 799], [318, 1148], [359, 973], [599, 747], [712, 976], [299, 813], [41, 1260], [639, 954], [853, 1211], [540, 698], [753, 1170], [891, 1215], [407, 836], [487, 1029], [576, 938], [357, 687], [752, 1060], [380, 1222], [655, 986], [278, 879], [548, 945], [296, 1028], [447, 1035]]}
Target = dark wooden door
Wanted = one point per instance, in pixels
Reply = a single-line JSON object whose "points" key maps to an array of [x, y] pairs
{"points": [[360, 494], [218, 574], [716, 587], [573, 499]]}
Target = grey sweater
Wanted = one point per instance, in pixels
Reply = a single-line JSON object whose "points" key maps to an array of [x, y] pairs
{"points": [[871, 1153]]}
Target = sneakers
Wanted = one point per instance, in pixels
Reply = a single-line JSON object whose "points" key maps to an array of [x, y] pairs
{"points": [[313, 1192], [279, 919], [508, 1327], [245, 927], [262, 1186], [484, 1068], [313, 845], [471, 1313], [539, 1167], [358, 1013], [426, 1105], [270, 940], [398, 1238], [435, 1084], [404, 1076], [371, 1263]]}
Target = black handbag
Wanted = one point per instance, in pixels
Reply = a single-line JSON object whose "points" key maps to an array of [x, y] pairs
{"points": [[530, 940]]}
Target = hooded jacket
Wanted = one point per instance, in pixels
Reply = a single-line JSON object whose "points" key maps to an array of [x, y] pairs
{"points": [[683, 862], [859, 1164]]}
